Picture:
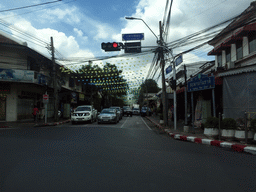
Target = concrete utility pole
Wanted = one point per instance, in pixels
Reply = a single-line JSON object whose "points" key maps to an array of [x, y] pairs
{"points": [[162, 62], [55, 93], [185, 94]]}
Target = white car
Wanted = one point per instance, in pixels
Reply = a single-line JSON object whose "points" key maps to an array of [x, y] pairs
{"points": [[136, 111], [108, 116], [84, 113]]}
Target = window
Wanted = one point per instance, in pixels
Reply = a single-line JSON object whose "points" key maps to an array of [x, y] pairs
{"points": [[228, 56], [252, 42], [239, 50], [219, 60]]}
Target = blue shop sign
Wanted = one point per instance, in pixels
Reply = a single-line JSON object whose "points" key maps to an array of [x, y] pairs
{"points": [[201, 82]]}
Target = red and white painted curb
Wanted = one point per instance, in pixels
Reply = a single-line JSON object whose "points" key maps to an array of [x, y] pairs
{"points": [[234, 146]]}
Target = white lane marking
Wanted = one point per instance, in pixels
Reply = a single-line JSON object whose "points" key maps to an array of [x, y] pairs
{"points": [[124, 122], [146, 124]]}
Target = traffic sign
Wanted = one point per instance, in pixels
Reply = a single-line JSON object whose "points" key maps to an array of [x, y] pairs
{"points": [[45, 97], [132, 36], [201, 82], [168, 69], [179, 60], [134, 47]]}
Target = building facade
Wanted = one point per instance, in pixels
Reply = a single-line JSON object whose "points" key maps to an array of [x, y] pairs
{"points": [[25, 76], [235, 60]]}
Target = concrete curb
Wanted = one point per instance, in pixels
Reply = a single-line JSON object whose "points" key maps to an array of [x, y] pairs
{"points": [[52, 124], [216, 143]]}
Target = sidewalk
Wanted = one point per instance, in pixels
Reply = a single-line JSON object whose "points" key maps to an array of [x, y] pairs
{"points": [[197, 136], [30, 123]]}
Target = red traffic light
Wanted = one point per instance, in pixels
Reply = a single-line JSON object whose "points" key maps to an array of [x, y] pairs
{"points": [[111, 46], [115, 45]]}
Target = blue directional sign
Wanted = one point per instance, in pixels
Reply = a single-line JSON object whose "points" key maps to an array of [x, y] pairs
{"points": [[133, 36], [179, 60], [168, 69], [201, 82]]}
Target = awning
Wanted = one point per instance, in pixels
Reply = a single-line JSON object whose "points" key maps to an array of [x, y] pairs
{"points": [[236, 71]]}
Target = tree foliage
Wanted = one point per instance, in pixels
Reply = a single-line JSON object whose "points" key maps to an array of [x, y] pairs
{"points": [[108, 81], [149, 86]]}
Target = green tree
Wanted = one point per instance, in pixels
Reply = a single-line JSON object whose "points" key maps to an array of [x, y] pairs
{"points": [[149, 86], [108, 81]]}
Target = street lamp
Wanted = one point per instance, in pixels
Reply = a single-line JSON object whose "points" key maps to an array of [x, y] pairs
{"points": [[162, 61], [134, 18]]}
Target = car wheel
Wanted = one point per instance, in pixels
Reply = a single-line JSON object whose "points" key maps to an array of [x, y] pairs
{"points": [[91, 121], [73, 122], [98, 122]]}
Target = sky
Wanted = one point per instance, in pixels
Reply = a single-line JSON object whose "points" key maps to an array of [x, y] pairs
{"points": [[78, 28]]}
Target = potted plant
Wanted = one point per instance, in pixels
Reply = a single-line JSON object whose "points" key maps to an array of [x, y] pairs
{"points": [[228, 126], [211, 127], [240, 131]]}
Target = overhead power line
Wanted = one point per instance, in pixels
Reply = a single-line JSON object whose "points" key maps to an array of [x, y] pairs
{"points": [[29, 6]]}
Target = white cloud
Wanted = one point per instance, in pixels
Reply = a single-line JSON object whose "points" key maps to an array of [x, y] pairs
{"points": [[78, 32], [66, 45], [68, 15]]}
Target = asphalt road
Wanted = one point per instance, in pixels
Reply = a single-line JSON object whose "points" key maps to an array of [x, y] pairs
{"points": [[128, 156]]}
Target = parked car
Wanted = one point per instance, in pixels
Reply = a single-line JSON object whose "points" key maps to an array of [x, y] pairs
{"points": [[127, 111], [144, 110], [84, 113], [119, 111], [136, 111], [108, 116]]}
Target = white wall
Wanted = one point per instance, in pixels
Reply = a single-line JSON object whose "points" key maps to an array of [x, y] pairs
{"points": [[245, 46], [11, 104], [233, 52]]}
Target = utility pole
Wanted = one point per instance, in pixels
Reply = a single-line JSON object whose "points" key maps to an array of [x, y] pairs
{"points": [[186, 99], [55, 93], [162, 62], [175, 97]]}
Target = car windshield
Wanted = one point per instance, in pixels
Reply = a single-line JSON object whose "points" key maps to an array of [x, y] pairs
{"points": [[83, 109], [117, 108], [144, 108], [136, 109], [108, 111]]}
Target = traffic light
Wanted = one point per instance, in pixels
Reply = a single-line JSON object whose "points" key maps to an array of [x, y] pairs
{"points": [[111, 46]]}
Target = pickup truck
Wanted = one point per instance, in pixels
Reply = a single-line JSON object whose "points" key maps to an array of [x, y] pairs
{"points": [[84, 113]]}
